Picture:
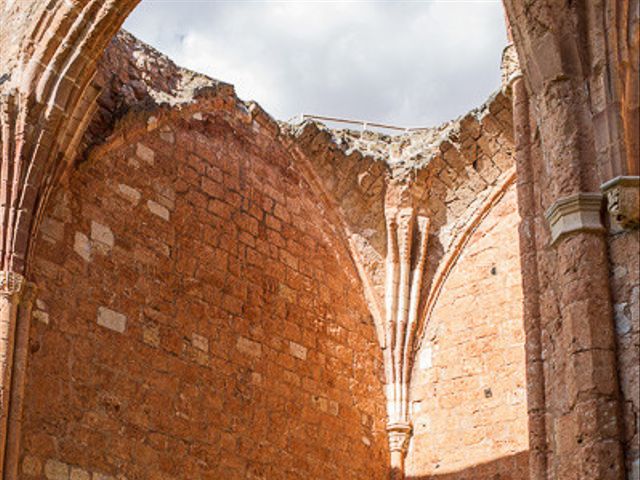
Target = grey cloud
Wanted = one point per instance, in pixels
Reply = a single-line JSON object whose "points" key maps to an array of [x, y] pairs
{"points": [[406, 63]]}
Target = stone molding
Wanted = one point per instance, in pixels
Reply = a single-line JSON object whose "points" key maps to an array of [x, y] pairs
{"points": [[399, 434], [407, 235], [623, 202], [576, 213], [11, 283]]}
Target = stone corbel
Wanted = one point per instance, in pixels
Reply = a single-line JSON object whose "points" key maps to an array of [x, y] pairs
{"points": [[576, 213], [623, 202]]}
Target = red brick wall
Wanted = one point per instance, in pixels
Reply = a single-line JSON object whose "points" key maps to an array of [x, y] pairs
{"points": [[197, 318], [469, 390]]}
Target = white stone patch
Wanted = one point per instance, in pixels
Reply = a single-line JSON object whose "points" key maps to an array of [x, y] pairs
{"points": [[52, 230], [40, 312], [623, 323], [158, 209], [129, 193], [55, 470], [366, 441], [82, 246], [166, 195], [151, 335], [619, 271], [112, 320], [145, 154], [79, 474], [426, 358], [41, 316], [200, 342], [152, 123], [298, 350], [197, 116], [102, 476], [102, 234], [249, 347]]}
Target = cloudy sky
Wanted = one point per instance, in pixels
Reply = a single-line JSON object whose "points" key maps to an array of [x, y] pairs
{"points": [[407, 63]]}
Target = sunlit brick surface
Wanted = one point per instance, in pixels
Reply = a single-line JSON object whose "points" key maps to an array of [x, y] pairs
{"points": [[469, 390], [199, 323]]}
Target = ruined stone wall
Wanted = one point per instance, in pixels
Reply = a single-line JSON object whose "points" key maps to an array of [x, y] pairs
{"points": [[572, 139], [463, 176], [468, 389], [624, 248], [197, 317]]}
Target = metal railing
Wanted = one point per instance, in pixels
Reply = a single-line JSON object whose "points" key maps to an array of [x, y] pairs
{"points": [[365, 125]]}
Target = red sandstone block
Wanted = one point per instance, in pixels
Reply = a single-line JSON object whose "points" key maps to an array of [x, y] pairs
{"points": [[220, 208], [213, 173], [211, 188]]}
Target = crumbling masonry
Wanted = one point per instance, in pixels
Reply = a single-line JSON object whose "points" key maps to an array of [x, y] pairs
{"points": [[191, 289]]}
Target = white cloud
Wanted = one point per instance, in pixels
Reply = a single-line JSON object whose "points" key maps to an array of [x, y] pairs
{"points": [[403, 62]]}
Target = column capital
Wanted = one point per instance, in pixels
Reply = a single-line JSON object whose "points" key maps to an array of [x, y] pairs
{"points": [[11, 283], [509, 67], [399, 433], [576, 213], [623, 202]]}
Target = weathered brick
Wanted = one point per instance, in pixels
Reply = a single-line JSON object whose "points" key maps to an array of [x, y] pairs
{"points": [[112, 320], [145, 153], [159, 210], [249, 347], [82, 246], [102, 234], [55, 470], [79, 474], [31, 466], [129, 193], [53, 230], [298, 350]]}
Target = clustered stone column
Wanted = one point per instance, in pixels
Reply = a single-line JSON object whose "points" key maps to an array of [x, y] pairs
{"points": [[407, 234], [11, 287]]}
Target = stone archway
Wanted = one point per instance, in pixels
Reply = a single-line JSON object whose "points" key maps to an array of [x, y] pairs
{"points": [[570, 143]]}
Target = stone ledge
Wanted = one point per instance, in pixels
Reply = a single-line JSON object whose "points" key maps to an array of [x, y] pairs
{"points": [[623, 202], [575, 213]]}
